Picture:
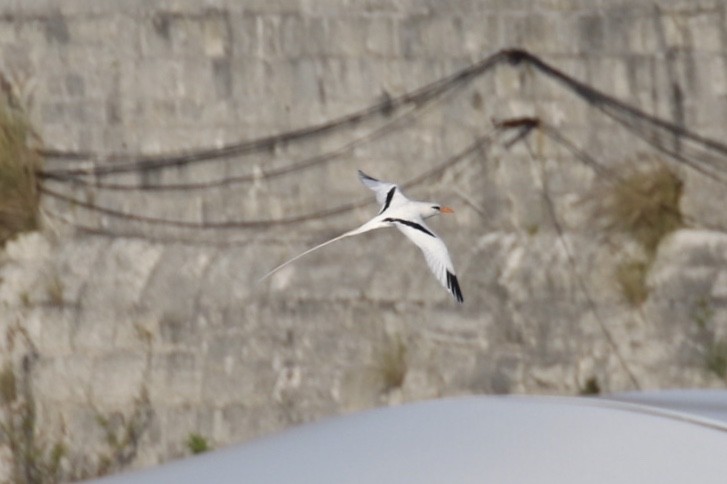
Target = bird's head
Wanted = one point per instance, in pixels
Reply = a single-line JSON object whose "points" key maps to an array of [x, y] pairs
{"points": [[436, 209]]}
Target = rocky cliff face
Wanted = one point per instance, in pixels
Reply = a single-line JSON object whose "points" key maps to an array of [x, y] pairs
{"points": [[153, 326]]}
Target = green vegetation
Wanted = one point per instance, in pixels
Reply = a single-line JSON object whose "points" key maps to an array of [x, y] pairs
{"points": [[33, 459], [591, 387], [714, 347], [631, 278], [532, 229], [702, 313], [642, 204], [715, 357], [390, 363], [37, 458], [123, 434], [54, 289], [19, 198], [197, 444]]}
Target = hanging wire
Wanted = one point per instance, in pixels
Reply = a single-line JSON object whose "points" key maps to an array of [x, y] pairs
{"points": [[124, 163], [264, 174], [637, 122], [701, 154], [614, 176], [265, 223], [592, 306], [642, 125]]}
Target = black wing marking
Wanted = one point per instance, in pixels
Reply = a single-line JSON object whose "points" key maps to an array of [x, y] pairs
{"points": [[453, 286], [364, 175], [434, 250], [389, 196], [411, 224]]}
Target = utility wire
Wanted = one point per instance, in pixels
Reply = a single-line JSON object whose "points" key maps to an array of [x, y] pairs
{"points": [[264, 174], [614, 176], [262, 223], [629, 116], [623, 113], [123, 163], [592, 306]]}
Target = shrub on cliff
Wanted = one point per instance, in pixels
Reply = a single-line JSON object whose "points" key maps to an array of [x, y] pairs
{"points": [[19, 163]]}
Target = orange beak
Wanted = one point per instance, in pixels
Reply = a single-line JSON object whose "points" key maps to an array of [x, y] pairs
{"points": [[446, 210]]}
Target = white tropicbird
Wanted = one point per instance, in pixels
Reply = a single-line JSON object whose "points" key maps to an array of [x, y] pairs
{"points": [[407, 216]]}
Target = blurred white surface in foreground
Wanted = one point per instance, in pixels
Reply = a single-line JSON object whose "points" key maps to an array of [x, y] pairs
{"points": [[663, 437]]}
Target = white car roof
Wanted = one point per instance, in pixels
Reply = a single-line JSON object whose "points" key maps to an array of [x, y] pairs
{"points": [[495, 439]]}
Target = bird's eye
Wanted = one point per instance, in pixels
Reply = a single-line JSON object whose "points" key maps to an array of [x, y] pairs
{"points": [[437, 207]]}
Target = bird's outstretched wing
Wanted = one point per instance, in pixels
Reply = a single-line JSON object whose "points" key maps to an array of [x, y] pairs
{"points": [[370, 225], [435, 252], [387, 194]]}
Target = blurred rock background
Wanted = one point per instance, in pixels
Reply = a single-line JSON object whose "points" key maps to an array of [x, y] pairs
{"points": [[133, 330]]}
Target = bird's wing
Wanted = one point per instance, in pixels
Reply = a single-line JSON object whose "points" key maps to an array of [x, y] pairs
{"points": [[370, 225], [387, 194], [435, 252]]}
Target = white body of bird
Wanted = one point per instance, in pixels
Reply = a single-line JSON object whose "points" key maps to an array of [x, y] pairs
{"points": [[408, 216]]}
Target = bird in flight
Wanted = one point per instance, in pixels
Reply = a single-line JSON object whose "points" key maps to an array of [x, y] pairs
{"points": [[407, 216]]}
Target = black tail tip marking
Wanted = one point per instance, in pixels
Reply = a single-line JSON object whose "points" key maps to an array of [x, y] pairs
{"points": [[453, 286], [364, 175]]}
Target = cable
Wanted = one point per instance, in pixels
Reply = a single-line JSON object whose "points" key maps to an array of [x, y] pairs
{"points": [[574, 268], [261, 223], [379, 132], [133, 163], [615, 177]]}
